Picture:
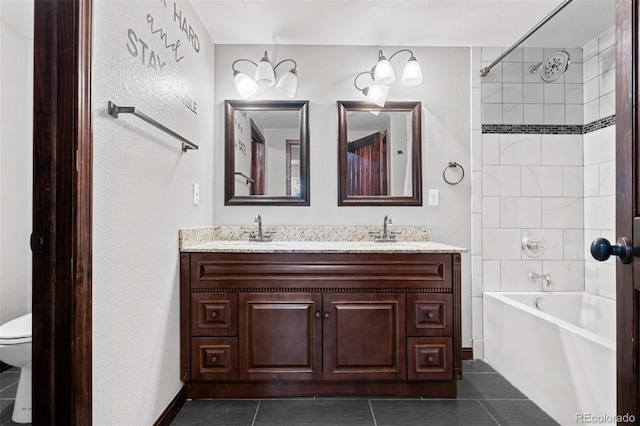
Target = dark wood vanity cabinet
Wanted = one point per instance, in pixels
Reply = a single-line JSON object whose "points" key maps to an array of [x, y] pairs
{"points": [[287, 324]]}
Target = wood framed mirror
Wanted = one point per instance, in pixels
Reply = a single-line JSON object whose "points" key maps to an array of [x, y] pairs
{"points": [[379, 154], [267, 153]]}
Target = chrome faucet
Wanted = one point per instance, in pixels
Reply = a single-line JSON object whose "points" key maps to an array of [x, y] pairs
{"points": [[260, 236], [385, 223], [387, 236], [533, 277]]}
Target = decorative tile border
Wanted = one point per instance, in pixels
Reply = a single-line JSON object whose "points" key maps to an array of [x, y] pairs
{"points": [[550, 129]]}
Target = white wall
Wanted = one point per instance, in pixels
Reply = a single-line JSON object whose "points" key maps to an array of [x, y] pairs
{"points": [[142, 196], [325, 76], [16, 149]]}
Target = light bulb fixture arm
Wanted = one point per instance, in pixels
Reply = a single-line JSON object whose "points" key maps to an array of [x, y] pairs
{"points": [[358, 76], [399, 51], [295, 65], [233, 66]]}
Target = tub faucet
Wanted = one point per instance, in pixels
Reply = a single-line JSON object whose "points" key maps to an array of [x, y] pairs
{"points": [[533, 277]]}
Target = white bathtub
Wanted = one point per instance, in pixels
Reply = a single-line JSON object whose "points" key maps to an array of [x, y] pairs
{"points": [[562, 357]]}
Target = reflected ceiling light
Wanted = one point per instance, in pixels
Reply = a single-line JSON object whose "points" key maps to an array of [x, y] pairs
{"points": [[265, 76]]}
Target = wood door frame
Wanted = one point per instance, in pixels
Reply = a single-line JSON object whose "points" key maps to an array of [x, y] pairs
{"points": [[62, 212]]}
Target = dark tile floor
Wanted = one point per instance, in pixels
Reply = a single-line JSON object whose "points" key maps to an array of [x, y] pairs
{"points": [[484, 398]]}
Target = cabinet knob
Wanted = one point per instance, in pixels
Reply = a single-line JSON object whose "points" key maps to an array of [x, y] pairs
{"points": [[317, 314], [326, 314], [430, 359], [214, 314], [430, 315], [214, 359]]}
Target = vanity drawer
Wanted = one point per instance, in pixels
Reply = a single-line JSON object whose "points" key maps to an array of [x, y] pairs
{"points": [[214, 314], [429, 358], [214, 358], [429, 314]]}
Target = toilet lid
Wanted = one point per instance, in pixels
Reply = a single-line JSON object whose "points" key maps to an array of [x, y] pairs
{"points": [[19, 328]]}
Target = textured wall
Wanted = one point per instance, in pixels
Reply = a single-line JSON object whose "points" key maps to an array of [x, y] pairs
{"points": [[143, 195]]}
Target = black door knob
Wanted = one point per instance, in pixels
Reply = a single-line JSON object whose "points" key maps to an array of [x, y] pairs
{"points": [[601, 249]]}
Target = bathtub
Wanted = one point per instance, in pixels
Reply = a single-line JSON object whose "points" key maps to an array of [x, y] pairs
{"points": [[561, 353]]}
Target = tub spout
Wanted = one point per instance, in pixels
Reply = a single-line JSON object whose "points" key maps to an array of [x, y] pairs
{"points": [[533, 277]]}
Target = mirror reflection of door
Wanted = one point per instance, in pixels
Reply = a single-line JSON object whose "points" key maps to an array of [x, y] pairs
{"points": [[257, 161], [367, 165], [293, 168]]}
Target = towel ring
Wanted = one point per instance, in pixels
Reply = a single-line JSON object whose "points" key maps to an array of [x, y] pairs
{"points": [[452, 164]]}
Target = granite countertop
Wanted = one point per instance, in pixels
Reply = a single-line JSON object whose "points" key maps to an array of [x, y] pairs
{"points": [[310, 239]]}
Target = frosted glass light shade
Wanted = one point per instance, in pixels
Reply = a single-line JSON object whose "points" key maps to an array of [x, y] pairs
{"points": [[244, 84], [378, 94], [288, 83], [412, 73], [265, 76], [384, 73]]}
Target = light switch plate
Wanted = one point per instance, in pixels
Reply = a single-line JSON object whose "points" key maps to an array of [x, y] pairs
{"points": [[196, 194], [434, 197]]}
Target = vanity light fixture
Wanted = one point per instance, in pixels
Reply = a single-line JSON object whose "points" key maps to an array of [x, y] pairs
{"points": [[383, 76], [265, 76]]}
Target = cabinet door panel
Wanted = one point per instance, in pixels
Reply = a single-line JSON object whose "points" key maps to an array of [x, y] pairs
{"points": [[364, 336], [214, 314], [429, 314], [280, 336], [430, 358]]}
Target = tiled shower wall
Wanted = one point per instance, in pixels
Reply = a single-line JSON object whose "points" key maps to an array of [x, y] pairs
{"points": [[543, 159]]}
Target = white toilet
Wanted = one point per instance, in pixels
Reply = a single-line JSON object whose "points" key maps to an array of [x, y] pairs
{"points": [[15, 349]]}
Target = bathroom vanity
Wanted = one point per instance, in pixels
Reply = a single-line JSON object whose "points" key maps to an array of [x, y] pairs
{"points": [[293, 318]]}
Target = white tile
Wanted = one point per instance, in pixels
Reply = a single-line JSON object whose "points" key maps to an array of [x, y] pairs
{"points": [[600, 212], [476, 65], [478, 349], [514, 275], [607, 39], [491, 93], [476, 234], [565, 275], [514, 56], [574, 73], [590, 50], [554, 114], [501, 181], [494, 76], [476, 276], [574, 114], [591, 89], [553, 243], [476, 192], [476, 317], [562, 213], [520, 212], [491, 275], [554, 93], [512, 93], [512, 114], [575, 55], [607, 105], [532, 54], [533, 93], [490, 149], [528, 76], [591, 180], [600, 146], [501, 244], [607, 82], [564, 150], [589, 236], [573, 181], [590, 69], [573, 93], [476, 108], [491, 113], [520, 149], [476, 150], [533, 114], [512, 72], [541, 181], [607, 181], [491, 212], [573, 244], [489, 54], [591, 111], [607, 59], [600, 278]]}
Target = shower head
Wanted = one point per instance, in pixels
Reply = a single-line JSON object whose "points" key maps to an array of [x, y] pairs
{"points": [[554, 67]]}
